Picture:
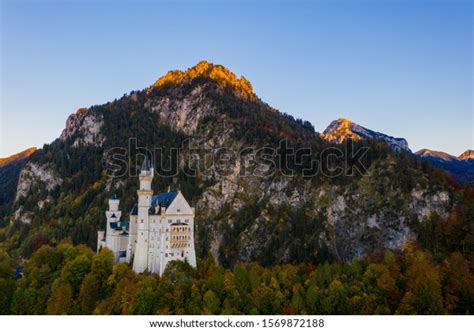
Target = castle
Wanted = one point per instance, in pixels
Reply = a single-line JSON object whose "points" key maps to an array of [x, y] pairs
{"points": [[160, 229]]}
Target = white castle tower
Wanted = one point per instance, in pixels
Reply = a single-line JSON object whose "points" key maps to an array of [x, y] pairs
{"points": [[161, 228], [145, 193], [116, 235]]}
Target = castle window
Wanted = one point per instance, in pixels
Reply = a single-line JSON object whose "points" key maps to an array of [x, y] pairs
{"points": [[187, 221], [166, 254], [182, 253], [179, 210], [141, 221]]}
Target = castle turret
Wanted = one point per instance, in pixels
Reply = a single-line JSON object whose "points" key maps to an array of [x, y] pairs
{"points": [[113, 218], [145, 193], [112, 237]]}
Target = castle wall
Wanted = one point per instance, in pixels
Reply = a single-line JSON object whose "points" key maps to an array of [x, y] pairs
{"points": [[132, 238]]}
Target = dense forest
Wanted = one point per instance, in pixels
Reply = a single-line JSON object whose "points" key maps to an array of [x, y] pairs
{"points": [[71, 279], [430, 276]]}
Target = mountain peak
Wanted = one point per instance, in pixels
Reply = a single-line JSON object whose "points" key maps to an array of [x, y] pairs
{"points": [[340, 130], [220, 74], [343, 128], [441, 156], [467, 155], [18, 156], [344, 121]]}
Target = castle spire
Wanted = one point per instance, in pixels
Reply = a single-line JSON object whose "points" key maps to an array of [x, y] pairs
{"points": [[146, 163], [113, 194]]}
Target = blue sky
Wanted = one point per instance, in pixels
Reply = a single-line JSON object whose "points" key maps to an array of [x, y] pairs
{"points": [[400, 67]]}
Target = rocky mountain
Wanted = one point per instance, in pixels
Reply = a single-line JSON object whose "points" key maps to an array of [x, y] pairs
{"points": [[17, 157], [460, 168], [342, 129], [254, 199], [436, 155], [467, 155], [9, 172]]}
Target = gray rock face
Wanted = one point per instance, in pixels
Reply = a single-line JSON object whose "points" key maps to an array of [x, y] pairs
{"points": [[85, 126], [30, 176], [185, 112], [32, 172], [363, 226], [354, 220]]}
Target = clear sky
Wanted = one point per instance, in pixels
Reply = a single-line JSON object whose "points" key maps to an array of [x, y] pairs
{"points": [[396, 66]]}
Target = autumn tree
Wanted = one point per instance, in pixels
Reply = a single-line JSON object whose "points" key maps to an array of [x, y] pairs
{"points": [[423, 286]]}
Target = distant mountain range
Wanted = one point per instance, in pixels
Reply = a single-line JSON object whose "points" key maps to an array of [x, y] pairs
{"points": [[460, 168], [467, 156]]}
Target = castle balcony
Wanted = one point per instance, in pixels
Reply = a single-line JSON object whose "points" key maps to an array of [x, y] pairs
{"points": [[180, 235]]}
